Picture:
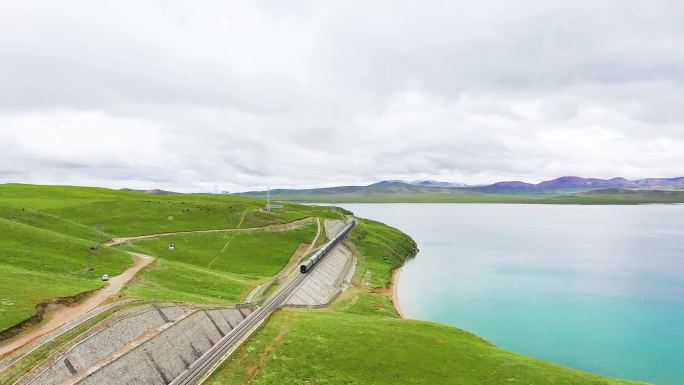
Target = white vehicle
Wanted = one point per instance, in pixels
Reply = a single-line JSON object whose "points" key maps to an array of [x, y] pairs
{"points": [[105, 277]]}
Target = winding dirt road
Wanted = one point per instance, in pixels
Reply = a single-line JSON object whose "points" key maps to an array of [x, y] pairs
{"points": [[70, 313], [279, 227]]}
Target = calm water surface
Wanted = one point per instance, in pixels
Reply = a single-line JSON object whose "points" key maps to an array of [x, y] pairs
{"points": [[598, 288]]}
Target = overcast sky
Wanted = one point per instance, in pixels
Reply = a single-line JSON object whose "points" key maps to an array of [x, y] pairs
{"points": [[241, 95]]}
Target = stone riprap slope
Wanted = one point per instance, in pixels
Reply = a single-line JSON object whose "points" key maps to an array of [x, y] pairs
{"points": [[140, 323], [332, 276], [27, 349], [333, 227], [166, 355]]}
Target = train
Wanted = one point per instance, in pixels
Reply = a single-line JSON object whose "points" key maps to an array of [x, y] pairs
{"points": [[307, 265]]}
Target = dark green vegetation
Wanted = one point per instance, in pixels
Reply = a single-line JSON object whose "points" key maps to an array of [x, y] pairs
{"points": [[48, 241], [396, 192], [215, 267], [360, 339]]}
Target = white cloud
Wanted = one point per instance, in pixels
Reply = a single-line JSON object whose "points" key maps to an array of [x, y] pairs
{"points": [[245, 94]]}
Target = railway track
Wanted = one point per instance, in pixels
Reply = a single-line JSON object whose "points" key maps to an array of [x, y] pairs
{"points": [[201, 368]]}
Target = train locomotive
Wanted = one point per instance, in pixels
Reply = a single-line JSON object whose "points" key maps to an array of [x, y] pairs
{"points": [[307, 265]]}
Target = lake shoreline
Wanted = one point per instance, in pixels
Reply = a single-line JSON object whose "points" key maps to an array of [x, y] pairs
{"points": [[582, 266], [393, 288]]}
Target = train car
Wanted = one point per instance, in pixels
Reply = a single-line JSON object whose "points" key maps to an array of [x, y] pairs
{"points": [[307, 265]]}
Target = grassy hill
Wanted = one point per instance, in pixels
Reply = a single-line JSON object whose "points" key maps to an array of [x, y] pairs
{"points": [[362, 340], [48, 244], [37, 264], [398, 192], [48, 248], [214, 267]]}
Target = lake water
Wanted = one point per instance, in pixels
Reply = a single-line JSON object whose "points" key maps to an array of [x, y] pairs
{"points": [[597, 288]]}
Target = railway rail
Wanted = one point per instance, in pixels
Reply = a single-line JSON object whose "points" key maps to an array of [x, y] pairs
{"points": [[201, 368]]}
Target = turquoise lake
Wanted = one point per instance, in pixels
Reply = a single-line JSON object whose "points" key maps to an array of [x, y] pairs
{"points": [[597, 288]]}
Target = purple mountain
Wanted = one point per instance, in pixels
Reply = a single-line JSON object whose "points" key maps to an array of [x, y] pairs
{"points": [[657, 182], [436, 183], [575, 183], [569, 182]]}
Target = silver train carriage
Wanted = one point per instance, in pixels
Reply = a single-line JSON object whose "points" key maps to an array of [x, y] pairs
{"points": [[307, 265]]}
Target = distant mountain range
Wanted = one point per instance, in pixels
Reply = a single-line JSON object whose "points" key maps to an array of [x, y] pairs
{"points": [[576, 183], [508, 191], [431, 183]]}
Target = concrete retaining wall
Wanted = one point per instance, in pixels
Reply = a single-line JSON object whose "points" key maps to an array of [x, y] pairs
{"points": [[165, 356], [326, 281], [100, 346]]}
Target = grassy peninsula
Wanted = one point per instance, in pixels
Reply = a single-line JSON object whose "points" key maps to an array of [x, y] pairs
{"points": [[361, 339]]}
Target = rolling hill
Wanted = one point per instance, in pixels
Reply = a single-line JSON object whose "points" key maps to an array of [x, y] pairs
{"points": [[570, 188], [48, 248], [49, 239]]}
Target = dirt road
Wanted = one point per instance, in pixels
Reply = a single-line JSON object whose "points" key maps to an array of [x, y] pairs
{"points": [[70, 313], [278, 227]]}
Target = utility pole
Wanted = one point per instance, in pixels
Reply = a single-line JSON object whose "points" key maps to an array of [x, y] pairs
{"points": [[332, 207], [268, 199]]}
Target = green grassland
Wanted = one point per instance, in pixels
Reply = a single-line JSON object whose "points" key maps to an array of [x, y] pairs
{"points": [[214, 267], [360, 339], [48, 243], [255, 253], [37, 264], [123, 213], [174, 281]]}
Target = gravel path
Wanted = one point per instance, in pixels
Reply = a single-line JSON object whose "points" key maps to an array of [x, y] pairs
{"points": [[70, 313], [278, 227]]}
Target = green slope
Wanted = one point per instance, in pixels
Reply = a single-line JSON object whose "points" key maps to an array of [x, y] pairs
{"points": [[122, 213], [37, 264], [48, 239], [214, 267]]}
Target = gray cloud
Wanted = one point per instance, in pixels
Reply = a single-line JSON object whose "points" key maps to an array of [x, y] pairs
{"points": [[245, 94]]}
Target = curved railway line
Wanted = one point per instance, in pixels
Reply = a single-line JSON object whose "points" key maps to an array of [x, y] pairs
{"points": [[204, 365]]}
